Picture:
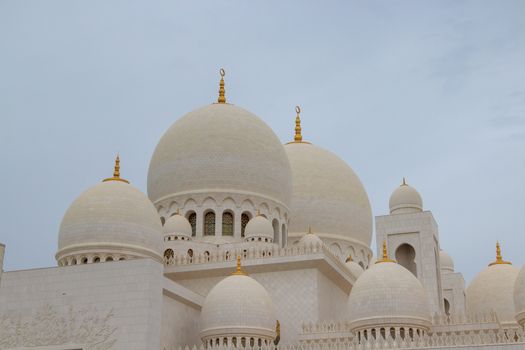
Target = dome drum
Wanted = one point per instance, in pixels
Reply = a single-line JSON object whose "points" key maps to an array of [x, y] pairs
{"points": [[239, 207]]}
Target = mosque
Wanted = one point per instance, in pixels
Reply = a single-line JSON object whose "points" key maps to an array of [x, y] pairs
{"points": [[243, 242]]}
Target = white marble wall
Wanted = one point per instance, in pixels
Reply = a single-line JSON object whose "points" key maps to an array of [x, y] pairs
{"points": [[99, 306], [180, 324], [454, 291]]}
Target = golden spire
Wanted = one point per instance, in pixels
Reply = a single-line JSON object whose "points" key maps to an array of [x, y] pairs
{"points": [[298, 138], [116, 172], [222, 92], [310, 230], [385, 257], [499, 258], [404, 183], [239, 271]]}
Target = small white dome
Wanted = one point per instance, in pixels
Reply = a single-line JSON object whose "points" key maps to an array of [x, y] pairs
{"points": [[111, 217], [354, 267], [446, 262], [259, 226], [177, 225], [326, 189], [220, 148], [238, 306], [405, 199], [519, 297], [310, 239], [387, 294], [492, 290]]}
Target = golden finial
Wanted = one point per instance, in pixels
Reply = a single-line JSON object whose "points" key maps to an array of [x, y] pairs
{"points": [[404, 183], [349, 258], [239, 271], [177, 212], [116, 172], [298, 136], [499, 258], [222, 92], [385, 257], [310, 230], [258, 213]]}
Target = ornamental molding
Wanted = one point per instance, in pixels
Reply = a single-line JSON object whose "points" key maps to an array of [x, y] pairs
{"points": [[84, 327]]}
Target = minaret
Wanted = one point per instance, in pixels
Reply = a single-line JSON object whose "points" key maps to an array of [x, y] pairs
{"points": [[413, 240]]}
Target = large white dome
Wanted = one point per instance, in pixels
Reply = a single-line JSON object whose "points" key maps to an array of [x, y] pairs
{"points": [[221, 148], [519, 297], [327, 195], [238, 306], [492, 291], [112, 218], [387, 294]]}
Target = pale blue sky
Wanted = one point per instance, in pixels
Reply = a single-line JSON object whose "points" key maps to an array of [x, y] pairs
{"points": [[431, 90]]}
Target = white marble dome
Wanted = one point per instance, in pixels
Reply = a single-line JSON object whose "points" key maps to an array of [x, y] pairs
{"points": [[177, 225], [111, 218], [519, 297], [310, 239], [220, 148], [238, 306], [446, 262], [492, 291], [387, 294], [325, 190], [259, 227], [354, 267], [405, 199]]}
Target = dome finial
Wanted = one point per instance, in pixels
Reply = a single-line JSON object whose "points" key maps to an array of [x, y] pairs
{"points": [[239, 271], [385, 257], [116, 172], [499, 258], [298, 136], [404, 183], [310, 230], [349, 258], [222, 92]]}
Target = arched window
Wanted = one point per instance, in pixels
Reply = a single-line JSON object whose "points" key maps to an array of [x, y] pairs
{"points": [[405, 255], [109, 258], [245, 217], [96, 259], [190, 253], [447, 306], [168, 254], [162, 220], [192, 218], [227, 224], [275, 225], [209, 224], [284, 236]]}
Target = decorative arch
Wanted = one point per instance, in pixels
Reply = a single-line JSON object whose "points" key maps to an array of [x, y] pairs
{"points": [[173, 207], [192, 218], [209, 202], [405, 256], [264, 208], [248, 205], [336, 249], [229, 203], [190, 203]]}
